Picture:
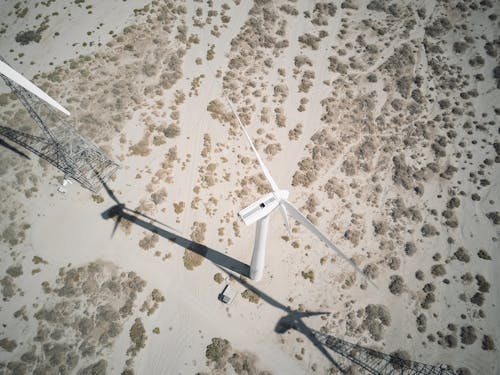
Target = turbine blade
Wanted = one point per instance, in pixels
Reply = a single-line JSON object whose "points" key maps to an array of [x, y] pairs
{"points": [[11, 74], [261, 162], [285, 218], [305, 221]]}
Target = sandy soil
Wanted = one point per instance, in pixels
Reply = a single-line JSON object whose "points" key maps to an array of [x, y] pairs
{"points": [[379, 117]]}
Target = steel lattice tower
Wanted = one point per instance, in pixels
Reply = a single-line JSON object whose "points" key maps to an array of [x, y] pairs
{"points": [[59, 144], [379, 363]]}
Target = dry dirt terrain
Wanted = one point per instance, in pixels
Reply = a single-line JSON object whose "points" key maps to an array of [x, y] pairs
{"points": [[380, 117]]}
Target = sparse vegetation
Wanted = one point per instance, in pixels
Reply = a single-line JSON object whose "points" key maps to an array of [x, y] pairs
{"points": [[97, 198], [28, 36], [396, 285], [217, 351], [191, 259], [137, 336], [218, 278], [308, 275], [250, 296]]}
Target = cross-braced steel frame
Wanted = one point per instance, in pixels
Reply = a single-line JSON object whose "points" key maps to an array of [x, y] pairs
{"points": [[379, 363], [59, 144]]}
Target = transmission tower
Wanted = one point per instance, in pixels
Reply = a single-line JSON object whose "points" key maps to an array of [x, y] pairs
{"points": [[59, 144], [378, 363]]}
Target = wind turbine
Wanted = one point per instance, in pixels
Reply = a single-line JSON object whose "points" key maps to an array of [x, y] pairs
{"points": [[10, 73], [260, 210]]}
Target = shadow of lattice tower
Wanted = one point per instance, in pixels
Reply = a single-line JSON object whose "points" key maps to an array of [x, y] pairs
{"points": [[374, 362], [59, 143]]}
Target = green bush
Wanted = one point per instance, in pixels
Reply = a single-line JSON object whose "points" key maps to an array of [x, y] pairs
{"points": [[26, 37]]}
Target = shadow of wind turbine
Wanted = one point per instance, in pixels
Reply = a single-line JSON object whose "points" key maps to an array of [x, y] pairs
{"points": [[292, 320], [13, 149], [119, 211]]}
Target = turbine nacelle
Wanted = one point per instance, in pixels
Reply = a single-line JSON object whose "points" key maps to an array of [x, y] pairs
{"points": [[262, 207]]}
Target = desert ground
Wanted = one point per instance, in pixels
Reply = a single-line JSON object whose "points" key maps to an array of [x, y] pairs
{"points": [[380, 117]]}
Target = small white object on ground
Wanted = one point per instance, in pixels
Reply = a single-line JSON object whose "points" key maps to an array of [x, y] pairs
{"points": [[227, 295]]}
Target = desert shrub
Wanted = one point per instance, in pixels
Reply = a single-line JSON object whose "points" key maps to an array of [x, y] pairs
{"points": [[141, 148], [250, 296], [149, 241], [26, 37], [302, 60], [460, 47], [462, 255], [211, 52], [149, 70], [376, 317], [191, 259], [488, 343], [376, 5], [159, 196], [393, 262], [15, 270], [483, 285], [400, 360], [137, 336], [438, 28], [322, 11], [494, 216], [179, 207], [172, 131], [483, 254], [7, 344], [218, 350], [428, 230], [421, 323], [410, 248], [449, 341], [309, 40], [476, 61], [428, 300], [295, 133], [477, 299], [438, 270], [380, 227], [354, 236], [218, 278], [97, 198], [308, 275], [402, 58], [396, 286], [38, 260], [371, 271], [198, 231], [468, 335], [289, 9], [272, 149]]}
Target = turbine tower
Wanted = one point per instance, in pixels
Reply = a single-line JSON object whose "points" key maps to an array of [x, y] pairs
{"points": [[59, 144], [260, 210], [378, 363]]}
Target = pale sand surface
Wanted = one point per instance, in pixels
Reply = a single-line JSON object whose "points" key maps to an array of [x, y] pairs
{"points": [[392, 95]]}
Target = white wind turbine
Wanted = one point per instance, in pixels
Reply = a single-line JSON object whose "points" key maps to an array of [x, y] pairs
{"points": [[260, 210]]}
